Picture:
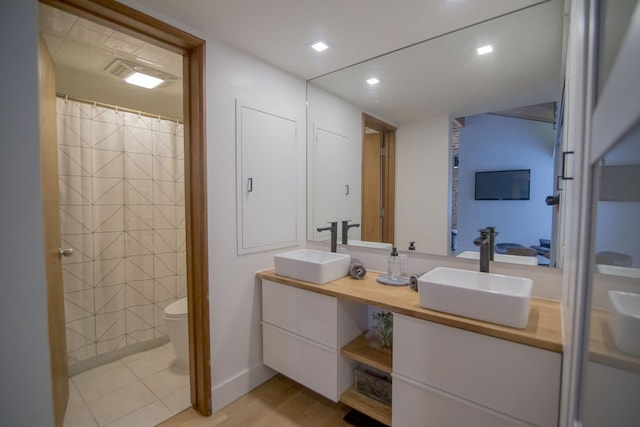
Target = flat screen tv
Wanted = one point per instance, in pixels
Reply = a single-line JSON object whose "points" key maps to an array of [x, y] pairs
{"points": [[503, 185]]}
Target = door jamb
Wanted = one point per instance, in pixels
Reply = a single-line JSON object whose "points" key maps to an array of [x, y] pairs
{"points": [[135, 23]]}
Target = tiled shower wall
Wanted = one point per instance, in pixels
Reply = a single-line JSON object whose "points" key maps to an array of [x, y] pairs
{"points": [[121, 179]]}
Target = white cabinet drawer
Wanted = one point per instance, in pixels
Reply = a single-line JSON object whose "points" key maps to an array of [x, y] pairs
{"points": [[311, 364], [416, 405], [511, 378], [305, 313]]}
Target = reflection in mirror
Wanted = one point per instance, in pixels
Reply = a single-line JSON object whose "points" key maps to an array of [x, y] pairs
{"points": [[618, 210], [438, 94], [505, 172], [614, 330], [610, 383]]}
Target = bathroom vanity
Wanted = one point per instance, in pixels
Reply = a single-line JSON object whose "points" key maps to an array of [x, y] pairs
{"points": [[446, 369]]}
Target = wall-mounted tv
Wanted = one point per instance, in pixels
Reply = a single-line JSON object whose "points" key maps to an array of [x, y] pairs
{"points": [[503, 185]]}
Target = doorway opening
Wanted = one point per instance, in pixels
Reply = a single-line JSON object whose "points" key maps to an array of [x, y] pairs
{"points": [[378, 180], [138, 25]]}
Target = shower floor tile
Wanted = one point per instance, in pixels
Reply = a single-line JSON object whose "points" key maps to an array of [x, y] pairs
{"points": [[150, 362], [115, 394], [98, 386]]}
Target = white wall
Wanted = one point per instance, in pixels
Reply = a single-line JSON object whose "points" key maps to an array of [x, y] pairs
{"points": [[235, 307], [235, 294], [520, 144], [25, 379], [423, 185]]}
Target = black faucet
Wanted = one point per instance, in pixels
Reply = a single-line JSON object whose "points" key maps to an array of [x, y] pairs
{"points": [[483, 241], [334, 235], [492, 240], [345, 230]]}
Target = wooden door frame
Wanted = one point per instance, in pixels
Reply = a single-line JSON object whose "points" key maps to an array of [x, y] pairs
{"points": [[137, 24], [52, 235], [388, 173]]}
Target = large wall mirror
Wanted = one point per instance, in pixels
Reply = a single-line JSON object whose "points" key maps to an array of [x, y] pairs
{"points": [[455, 113]]}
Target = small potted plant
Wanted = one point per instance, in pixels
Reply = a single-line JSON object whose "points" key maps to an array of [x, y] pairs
{"points": [[384, 327]]}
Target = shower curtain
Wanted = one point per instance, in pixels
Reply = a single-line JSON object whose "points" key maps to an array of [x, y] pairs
{"points": [[121, 178]]}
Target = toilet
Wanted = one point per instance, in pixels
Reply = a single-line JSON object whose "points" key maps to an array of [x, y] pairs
{"points": [[175, 317]]}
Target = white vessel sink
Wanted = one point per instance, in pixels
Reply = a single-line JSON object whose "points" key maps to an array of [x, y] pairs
{"points": [[484, 296], [367, 244], [513, 259], [625, 321], [312, 266]]}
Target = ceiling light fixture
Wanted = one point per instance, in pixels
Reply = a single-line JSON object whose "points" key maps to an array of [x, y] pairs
{"points": [[373, 81], [143, 80], [319, 46], [484, 49], [138, 74]]}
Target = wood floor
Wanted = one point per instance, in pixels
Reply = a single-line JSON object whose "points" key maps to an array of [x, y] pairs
{"points": [[278, 402]]}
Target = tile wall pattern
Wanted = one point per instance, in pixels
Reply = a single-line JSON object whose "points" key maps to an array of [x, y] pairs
{"points": [[121, 178]]}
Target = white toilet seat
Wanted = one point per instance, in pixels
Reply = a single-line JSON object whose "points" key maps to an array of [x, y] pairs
{"points": [[177, 309]]}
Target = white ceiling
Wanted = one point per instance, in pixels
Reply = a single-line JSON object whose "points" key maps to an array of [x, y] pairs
{"points": [[445, 76], [280, 31]]}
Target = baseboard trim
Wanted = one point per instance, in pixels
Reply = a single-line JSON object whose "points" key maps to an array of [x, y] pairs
{"points": [[237, 386]]}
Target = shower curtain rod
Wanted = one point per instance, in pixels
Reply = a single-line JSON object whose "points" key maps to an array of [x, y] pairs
{"points": [[116, 108]]}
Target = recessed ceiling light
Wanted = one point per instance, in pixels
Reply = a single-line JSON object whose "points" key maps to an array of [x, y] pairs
{"points": [[144, 80], [485, 49], [373, 81], [320, 46]]}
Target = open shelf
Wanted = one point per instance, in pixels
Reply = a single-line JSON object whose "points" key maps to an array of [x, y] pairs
{"points": [[368, 406], [358, 350]]}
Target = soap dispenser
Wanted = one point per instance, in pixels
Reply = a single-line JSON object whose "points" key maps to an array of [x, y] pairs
{"points": [[406, 259], [393, 265]]}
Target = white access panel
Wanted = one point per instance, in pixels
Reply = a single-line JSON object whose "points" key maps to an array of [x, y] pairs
{"points": [[266, 180]]}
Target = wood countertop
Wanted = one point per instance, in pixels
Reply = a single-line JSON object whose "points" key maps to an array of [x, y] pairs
{"points": [[544, 329]]}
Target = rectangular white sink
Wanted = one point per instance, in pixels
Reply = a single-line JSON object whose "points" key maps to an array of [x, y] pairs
{"points": [[484, 296], [513, 259], [312, 266], [625, 321]]}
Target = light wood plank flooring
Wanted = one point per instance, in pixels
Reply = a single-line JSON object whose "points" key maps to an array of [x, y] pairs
{"points": [[278, 402]]}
